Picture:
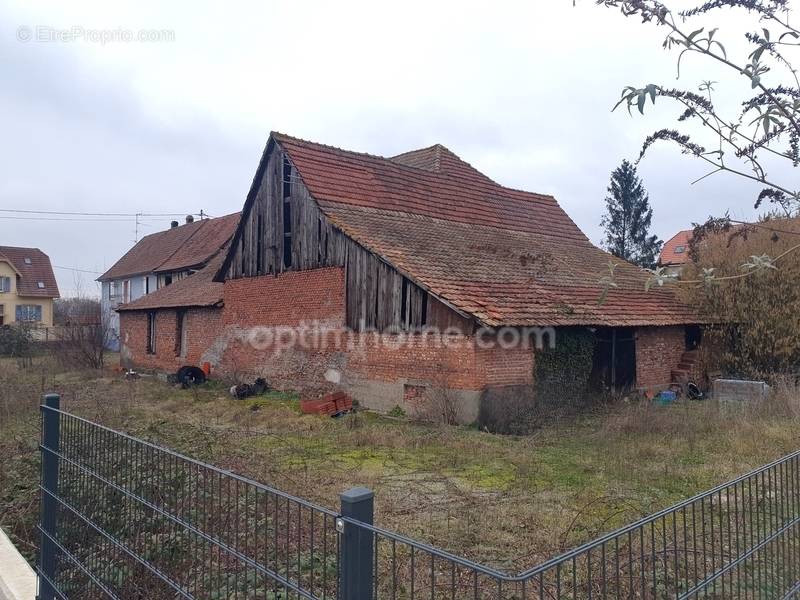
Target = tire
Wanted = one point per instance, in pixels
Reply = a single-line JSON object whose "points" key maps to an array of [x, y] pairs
{"points": [[693, 391], [190, 376]]}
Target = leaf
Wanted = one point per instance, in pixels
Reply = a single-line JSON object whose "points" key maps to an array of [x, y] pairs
{"points": [[651, 89], [680, 58], [627, 93], [640, 101], [692, 35]]}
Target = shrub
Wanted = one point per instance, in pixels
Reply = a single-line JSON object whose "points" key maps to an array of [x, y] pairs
{"points": [[83, 346], [757, 329], [16, 341], [397, 411], [439, 406]]}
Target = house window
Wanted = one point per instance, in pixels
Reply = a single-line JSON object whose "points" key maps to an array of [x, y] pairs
{"points": [[180, 333], [29, 313], [680, 249], [126, 291], [113, 290], [167, 279], [40, 285], [27, 261], [5, 284], [151, 333]]}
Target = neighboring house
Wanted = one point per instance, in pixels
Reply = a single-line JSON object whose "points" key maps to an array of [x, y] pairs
{"points": [[160, 259], [334, 246], [675, 253], [27, 287]]}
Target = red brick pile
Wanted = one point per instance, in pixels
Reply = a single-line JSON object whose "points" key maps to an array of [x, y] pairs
{"points": [[331, 404]]}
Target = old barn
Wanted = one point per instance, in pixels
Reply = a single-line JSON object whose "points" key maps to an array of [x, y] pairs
{"points": [[362, 257]]}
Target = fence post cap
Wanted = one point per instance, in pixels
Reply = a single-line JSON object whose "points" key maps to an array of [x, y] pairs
{"points": [[357, 494], [52, 400]]}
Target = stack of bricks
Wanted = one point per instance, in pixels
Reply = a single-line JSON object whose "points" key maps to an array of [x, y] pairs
{"points": [[332, 404]]}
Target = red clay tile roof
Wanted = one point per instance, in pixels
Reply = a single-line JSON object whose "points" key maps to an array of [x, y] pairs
{"points": [[676, 249], [334, 175], [507, 257], [34, 267], [197, 289], [510, 277], [212, 236], [175, 249]]}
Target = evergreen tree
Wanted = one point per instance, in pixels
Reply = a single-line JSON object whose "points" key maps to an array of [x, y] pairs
{"points": [[627, 221]]}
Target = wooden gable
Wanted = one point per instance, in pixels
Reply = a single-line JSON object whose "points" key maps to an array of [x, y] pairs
{"points": [[283, 229]]}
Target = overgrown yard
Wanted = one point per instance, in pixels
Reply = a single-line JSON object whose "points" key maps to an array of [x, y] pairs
{"points": [[507, 501]]}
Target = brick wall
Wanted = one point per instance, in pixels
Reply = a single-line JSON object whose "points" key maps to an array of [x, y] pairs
{"points": [[501, 366], [314, 299], [203, 325], [378, 370], [287, 299], [448, 361], [658, 351]]}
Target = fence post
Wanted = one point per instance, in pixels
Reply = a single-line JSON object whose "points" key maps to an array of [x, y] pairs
{"points": [[357, 545], [47, 549]]}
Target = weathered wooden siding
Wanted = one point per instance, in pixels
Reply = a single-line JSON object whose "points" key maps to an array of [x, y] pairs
{"points": [[378, 296]]}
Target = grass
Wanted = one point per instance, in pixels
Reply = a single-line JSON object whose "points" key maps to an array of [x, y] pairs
{"points": [[507, 501]]}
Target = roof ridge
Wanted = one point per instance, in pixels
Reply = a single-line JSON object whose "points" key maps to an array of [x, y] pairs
{"points": [[436, 147], [22, 248], [328, 146], [681, 232], [390, 160]]}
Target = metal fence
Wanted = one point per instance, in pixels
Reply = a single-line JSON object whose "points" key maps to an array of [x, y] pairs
{"points": [[123, 518]]}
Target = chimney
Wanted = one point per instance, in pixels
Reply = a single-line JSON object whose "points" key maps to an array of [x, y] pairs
{"points": [[173, 225], [189, 219]]}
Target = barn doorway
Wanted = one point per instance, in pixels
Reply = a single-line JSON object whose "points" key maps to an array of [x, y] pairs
{"points": [[614, 359]]}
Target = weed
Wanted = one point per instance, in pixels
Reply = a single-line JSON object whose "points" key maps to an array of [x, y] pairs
{"points": [[508, 501]]}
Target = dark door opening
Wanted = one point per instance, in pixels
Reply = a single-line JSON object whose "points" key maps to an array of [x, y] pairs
{"points": [[614, 359], [694, 335]]}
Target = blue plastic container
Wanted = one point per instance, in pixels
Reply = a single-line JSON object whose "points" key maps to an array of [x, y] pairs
{"points": [[666, 397]]}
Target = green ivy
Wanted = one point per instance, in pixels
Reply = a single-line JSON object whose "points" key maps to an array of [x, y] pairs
{"points": [[562, 373]]}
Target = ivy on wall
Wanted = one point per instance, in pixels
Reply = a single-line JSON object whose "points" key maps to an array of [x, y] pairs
{"points": [[561, 374]]}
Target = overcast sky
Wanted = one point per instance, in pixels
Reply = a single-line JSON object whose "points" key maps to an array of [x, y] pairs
{"points": [[522, 90]]}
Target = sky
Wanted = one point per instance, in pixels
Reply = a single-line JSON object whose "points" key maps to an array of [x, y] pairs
{"points": [[94, 122]]}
